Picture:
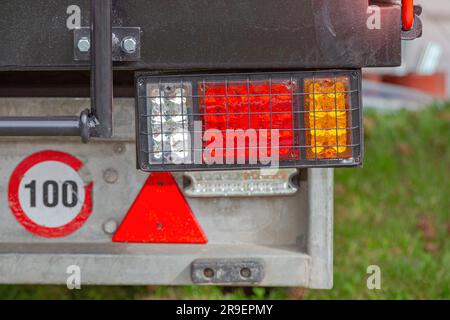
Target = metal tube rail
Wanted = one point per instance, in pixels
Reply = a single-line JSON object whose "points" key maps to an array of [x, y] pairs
{"points": [[101, 67], [40, 126]]}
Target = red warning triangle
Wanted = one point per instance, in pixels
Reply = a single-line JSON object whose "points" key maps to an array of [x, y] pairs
{"points": [[160, 214]]}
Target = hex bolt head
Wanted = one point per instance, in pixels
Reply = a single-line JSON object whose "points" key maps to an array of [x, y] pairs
{"points": [[246, 273], [110, 226], [129, 45], [84, 44]]}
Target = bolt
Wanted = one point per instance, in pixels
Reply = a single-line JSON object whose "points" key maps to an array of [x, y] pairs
{"points": [[246, 273], [208, 273], [84, 45], [129, 45], [110, 226], [110, 175]]}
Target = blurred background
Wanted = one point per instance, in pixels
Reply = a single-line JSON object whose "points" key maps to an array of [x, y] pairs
{"points": [[394, 212], [422, 78]]}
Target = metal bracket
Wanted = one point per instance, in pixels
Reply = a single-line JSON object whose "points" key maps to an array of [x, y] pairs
{"points": [[126, 44], [416, 31], [227, 271]]}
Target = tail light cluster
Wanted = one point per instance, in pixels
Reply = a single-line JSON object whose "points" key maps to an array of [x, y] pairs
{"points": [[198, 122]]}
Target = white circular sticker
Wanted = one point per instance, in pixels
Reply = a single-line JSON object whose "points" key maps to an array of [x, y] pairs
{"points": [[51, 194], [48, 196]]}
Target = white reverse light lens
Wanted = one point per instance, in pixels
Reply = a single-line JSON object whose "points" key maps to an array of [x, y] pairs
{"points": [[240, 183], [168, 107]]}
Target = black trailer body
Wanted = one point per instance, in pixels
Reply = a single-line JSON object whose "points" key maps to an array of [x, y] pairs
{"points": [[205, 34]]}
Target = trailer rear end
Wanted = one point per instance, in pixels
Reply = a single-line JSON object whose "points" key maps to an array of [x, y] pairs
{"points": [[182, 142]]}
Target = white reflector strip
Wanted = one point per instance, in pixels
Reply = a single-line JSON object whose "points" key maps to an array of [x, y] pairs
{"points": [[248, 183]]}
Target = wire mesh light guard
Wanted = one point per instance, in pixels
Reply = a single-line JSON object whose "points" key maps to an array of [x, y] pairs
{"points": [[235, 121]]}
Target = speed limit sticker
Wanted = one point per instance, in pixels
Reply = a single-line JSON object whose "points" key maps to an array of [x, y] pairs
{"points": [[48, 195]]}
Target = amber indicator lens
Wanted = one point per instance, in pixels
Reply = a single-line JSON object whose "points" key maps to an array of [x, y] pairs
{"points": [[327, 118]]}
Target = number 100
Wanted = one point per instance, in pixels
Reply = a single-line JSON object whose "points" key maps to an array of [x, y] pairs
{"points": [[51, 192]]}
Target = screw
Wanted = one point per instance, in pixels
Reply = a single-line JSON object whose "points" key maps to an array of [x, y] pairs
{"points": [[84, 45], [110, 226], [246, 273], [110, 175], [208, 273], [129, 45]]}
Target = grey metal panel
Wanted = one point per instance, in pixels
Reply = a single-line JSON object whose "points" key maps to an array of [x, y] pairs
{"points": [[141, 264], [248, 220], [212, 34], [287, 233]]}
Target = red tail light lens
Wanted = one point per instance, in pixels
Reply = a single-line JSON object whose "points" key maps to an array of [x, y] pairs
{"points": [[257, 105], [301, 119]]}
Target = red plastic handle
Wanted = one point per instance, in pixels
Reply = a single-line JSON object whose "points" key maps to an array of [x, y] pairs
{"points": [[408, 14]]}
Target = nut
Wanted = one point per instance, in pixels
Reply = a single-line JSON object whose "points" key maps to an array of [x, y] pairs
{"points": [[246, 273], [84, 44], [129, 45]]}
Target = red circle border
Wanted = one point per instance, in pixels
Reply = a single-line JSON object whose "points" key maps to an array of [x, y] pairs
{"points": [[20, 215]]}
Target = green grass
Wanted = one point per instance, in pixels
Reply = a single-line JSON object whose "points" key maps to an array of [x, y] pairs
{"points": [[394, 213]]}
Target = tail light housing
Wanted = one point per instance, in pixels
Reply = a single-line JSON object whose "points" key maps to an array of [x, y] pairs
{"points": [[245, 121]]}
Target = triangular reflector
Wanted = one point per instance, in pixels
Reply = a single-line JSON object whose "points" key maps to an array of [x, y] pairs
{"points": [[160, 214]]}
